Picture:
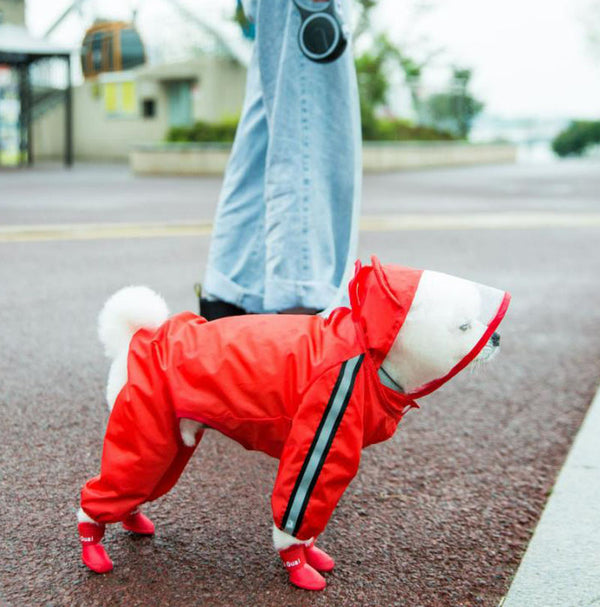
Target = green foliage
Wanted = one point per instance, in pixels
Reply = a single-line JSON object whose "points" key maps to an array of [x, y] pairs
{"points": [[446, 115], [577, 138], [248, 28], [240, 17], [453, 111], [456, 109], [372, 87], [363, 23], [378, 129], [204, 131], [391, 129]]}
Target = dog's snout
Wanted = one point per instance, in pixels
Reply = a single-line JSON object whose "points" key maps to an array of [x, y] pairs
{"points": [[496, 339]]}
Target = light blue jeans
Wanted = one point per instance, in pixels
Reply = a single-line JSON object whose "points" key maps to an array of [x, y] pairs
{"points": [[285, 231]]}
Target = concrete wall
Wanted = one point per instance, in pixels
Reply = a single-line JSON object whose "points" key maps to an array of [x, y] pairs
{"points": [[391, 156], [13, 11], [219, 92], [96, 136], [180, 159], [49, 135], [211, 159]]}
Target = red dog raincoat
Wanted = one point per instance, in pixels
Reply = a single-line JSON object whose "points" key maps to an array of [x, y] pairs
{"points": [[304, 389]]}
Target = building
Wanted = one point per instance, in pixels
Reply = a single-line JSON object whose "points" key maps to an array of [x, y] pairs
{"points": [[121, 109], [22, 56], [12, 12], [120, 103]]}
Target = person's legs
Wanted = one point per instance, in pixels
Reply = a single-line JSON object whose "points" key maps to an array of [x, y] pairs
{"points": [[236, 260], [286, 227], [313, 164]]}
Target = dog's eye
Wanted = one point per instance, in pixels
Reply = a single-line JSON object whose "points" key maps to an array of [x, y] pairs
{"points": [[465, 327]]}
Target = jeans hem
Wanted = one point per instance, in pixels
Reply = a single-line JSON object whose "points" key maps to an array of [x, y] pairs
{"points": [[280, 294], [218, 285]]}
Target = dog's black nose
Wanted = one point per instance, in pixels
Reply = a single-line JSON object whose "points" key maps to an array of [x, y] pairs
{"points": [[496, 339]]}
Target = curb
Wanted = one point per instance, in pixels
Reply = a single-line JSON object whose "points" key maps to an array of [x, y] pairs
{"points": [[561, 566]]}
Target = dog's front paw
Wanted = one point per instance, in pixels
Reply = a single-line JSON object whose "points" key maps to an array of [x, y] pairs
{"points": [[318, 559], [300, 573], [188, 429]]}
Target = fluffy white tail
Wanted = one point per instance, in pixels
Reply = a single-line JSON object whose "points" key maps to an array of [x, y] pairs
{"points": [[125, 312]]}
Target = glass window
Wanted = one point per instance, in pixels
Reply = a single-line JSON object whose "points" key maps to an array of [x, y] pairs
{"points": [[97, 52], [149, 108], [128, 97], [110, 62], [120, 99], [110, 98], [132, 49]]}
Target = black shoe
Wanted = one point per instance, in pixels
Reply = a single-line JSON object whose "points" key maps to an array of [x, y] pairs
{"points": [[211, 309], [300, 310]]}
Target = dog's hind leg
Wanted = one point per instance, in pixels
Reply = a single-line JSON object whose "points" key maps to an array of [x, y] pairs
{"points": [[189, 429], [117, 378], [93, 553], [142, 459]]}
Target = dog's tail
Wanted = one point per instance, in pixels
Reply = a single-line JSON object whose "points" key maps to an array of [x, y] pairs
{"points": [[125, 312]]}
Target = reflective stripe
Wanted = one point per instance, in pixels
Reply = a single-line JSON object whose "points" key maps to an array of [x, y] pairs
{"points": [[321, 444], [386, 379]]}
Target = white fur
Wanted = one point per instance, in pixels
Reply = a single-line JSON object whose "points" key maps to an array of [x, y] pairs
{"points": [[431, 342], [125, 312], [283, 540], [82, 517], [117, 377], [188, 429]]}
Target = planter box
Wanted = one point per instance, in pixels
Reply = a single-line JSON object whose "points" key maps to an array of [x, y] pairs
{"points": [[211, 158], [395, 156], [179, 158]]}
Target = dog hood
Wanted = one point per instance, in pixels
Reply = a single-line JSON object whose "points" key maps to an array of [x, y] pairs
{"points": [[382, 299]]}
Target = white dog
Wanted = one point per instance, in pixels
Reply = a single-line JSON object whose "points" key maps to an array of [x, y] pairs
{"points": [[406, 333]]}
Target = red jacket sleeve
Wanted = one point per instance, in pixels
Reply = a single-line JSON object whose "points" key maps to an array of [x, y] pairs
{"points": [[322, 452]]}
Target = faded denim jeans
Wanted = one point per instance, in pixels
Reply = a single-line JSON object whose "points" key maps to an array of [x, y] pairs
{"points": [[286, 225]]}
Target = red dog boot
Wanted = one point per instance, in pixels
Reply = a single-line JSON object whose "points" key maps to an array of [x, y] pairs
{"points": [[300, 572], [318, 558], [93, 553], [138, 523]]}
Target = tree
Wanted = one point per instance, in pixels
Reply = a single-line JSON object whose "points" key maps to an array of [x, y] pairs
{"points": [[373, 84], [248, 28], [363, 23], [382, 57], [455, 110], [577, 138]]}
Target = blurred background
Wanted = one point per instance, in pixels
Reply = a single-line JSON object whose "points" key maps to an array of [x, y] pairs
{"points": [[98, 79]]}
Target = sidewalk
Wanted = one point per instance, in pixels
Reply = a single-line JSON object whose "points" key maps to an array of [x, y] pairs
{"points": [[561, 567]]}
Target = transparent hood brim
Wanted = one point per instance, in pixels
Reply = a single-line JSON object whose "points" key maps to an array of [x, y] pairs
{"points": [[449, 323]]}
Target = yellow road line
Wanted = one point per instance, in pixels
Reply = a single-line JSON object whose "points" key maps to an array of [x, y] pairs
{"points": [[99, 231], [478, 221], [368, 223]]}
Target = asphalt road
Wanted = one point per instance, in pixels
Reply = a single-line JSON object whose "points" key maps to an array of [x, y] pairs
{"points": [[437, 516]]}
